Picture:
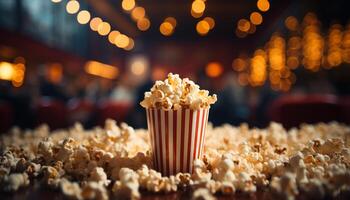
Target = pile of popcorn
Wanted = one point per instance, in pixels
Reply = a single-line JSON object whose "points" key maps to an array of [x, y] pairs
{"points": [[176, 93], [116, 162]]}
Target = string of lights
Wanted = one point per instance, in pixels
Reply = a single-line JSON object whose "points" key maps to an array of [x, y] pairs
{"points": [[307, 46], [137, 13], [245, 26], [96, 24]]}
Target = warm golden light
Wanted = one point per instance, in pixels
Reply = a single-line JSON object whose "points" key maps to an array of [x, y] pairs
{"points": [[102, 70], [239, 64], [256, 18], [128, 4], [210, 21], [171, 20], [131, 45], [138, 67], [198, 6], [55, 72], [291, 23], [143, 24], [72, 6], [138, 13], [112, 36], [94, 23], [202, 27], [18, 75], [166, 28], [263, 5], [83, 17], [122, 41], [243, 25], [196, 15], [104, 28], [214, 69], [6, 71]]}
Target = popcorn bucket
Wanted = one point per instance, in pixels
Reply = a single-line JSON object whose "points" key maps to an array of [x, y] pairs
{"points": [[177, 138]]}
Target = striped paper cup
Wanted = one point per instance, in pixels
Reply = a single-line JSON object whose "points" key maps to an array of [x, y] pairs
{"points": [[177, 138]]}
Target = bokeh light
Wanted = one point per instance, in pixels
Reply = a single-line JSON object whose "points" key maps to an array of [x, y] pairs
{"points": [[171, 20], [243, 25], [291, 23], [214, 69], [131, 45], [143, 24], [122, 41], [112, 36], [263, 5], [256, 18], [198, 6], [202, 27], [166, 28], [128, 4], [104, 28], [72, 6], [94, 23], [210, 21], [138, 13], [83, 17]]}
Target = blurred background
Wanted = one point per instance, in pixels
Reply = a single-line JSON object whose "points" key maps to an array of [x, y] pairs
{"points": [[63, 61]]}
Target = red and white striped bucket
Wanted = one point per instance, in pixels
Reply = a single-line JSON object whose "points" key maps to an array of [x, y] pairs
{"points": [[177, 138]]}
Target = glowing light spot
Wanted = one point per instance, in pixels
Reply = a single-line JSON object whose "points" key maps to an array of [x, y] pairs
{"points": [[138, 13], [166, 28], [198, 6], [291, 23], [104, 28], [210, 21], [256, 18], [263, 5], [122, 41], [131, 45], [112, 36], [143, 24], [203, 27], [128, 4], [214, 69], [243, 25], [171, 20], [94, 23], [72, 7], [83, 17]]}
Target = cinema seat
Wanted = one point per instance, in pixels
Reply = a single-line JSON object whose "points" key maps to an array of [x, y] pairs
{"points": [[292, 110]]}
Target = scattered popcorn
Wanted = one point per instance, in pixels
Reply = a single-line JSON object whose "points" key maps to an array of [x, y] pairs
{"points": [[98, 175], [70, 189], [14, 181], [175, 93], [312, 161], [94, 190], [202, 194]]}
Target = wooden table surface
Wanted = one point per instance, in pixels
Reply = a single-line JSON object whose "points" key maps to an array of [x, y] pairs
{"points": [[36, 192]]}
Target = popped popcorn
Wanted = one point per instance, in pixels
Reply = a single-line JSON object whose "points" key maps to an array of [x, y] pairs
{"points": [[312, 161], [202, 194], [175, 93]]}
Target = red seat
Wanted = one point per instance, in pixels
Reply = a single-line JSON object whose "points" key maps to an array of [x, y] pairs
{"points": [[51, 112], [80, 111], [292, 110], [113, 110], [344, 103], [6, 116]]}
